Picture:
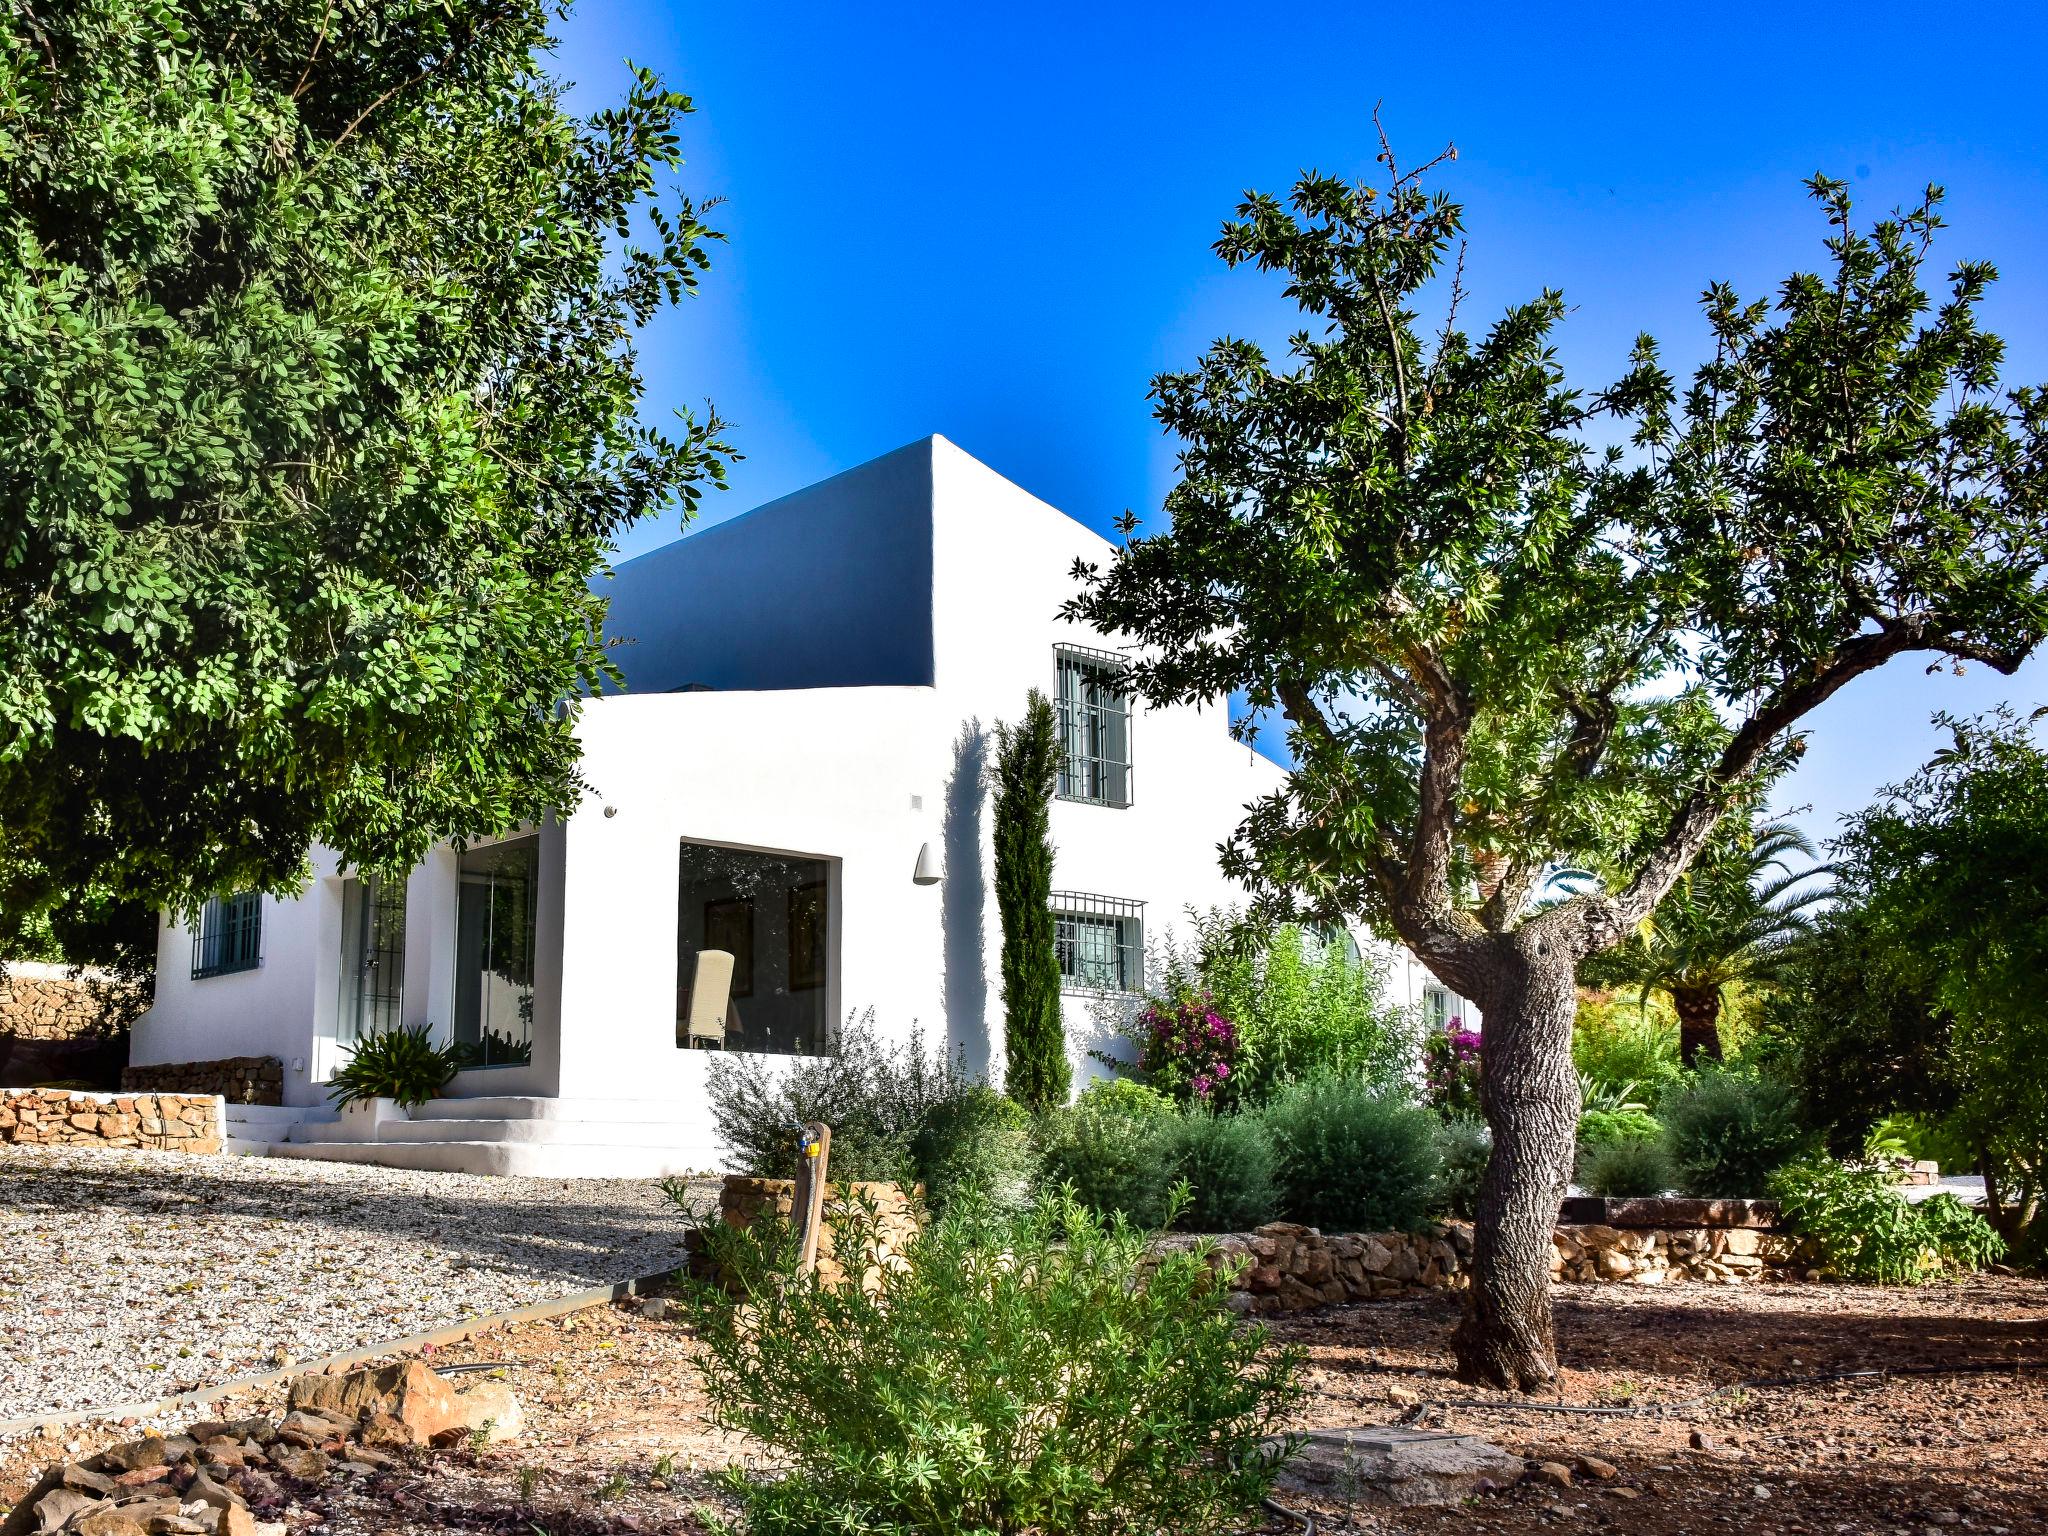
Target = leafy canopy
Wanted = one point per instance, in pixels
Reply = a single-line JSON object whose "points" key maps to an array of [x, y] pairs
{"points": [[317, 414], [1498, 646]]}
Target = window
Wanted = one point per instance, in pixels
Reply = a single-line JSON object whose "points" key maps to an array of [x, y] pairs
{"points": [[1100, 941], [229, 937], [372, 957], [494, 940], [1095, 728], [768, 919]]}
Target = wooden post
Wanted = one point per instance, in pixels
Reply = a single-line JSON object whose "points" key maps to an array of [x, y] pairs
{"points": [[812, 1174]]}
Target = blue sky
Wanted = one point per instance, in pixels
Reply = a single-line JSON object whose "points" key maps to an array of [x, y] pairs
{"points": [[995, 223]]}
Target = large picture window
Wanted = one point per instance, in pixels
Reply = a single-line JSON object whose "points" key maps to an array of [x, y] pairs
{"points": [[229, 937], [1100, 941], [1095, 728], [771, 913]]}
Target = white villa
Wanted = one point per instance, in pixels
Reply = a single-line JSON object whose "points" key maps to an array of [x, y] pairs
{"points": [[794, 779]]}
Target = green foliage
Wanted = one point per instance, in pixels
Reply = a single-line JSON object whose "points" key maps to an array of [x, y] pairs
{"points": [[1108, 1156], [402, 1064], [1353, 1159], [1303, 1005], [1463, 1146], [877, 1098], [1868, 1231], [976, 1145], [1598, 1127], [1034, 1372], [1947, 877], [319, 413], [1228, 1165], [1026, 771], [1631, 1041], [1730, 1129], [1125, 1097], [1737, 917], [1628, 1168]]}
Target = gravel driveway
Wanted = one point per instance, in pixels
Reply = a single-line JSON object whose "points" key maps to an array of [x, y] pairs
{"points": [[130, 1275]]}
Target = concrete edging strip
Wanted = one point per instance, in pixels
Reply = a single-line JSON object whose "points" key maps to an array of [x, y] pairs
{"points": [[453, 1333]]}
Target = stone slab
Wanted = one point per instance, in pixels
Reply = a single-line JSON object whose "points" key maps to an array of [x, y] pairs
{"points": [[1387, 1465]]}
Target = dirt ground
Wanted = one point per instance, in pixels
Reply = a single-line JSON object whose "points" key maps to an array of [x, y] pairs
{"points": [[616, 1440]]}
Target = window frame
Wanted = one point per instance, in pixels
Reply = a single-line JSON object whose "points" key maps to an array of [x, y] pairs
{"points": [[1090, 765], [1127, 920], [227, 940]]}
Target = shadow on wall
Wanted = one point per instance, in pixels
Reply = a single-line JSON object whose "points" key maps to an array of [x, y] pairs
{"points": [[963, 910]]}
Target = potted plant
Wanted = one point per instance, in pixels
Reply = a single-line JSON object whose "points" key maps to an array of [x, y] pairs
{"points": [[387, 1074]]}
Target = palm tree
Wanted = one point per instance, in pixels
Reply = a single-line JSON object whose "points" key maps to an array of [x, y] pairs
{"points": [[1736, 917]]}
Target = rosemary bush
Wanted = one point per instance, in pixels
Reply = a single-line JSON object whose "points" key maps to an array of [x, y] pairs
{"points": [[1033, 1372]]}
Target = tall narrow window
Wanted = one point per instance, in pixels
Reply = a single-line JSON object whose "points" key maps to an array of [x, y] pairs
{"points": [[1100, 941], [372, 956], [229, 936], [494, 934], [1095, 728]]}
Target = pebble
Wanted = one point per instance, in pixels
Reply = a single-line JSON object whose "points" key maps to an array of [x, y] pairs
{"points": [[113, 1262]]}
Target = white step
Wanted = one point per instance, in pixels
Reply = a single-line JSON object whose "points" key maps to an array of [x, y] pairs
{"points": [[552, 1160], [624, 1133], [536, 1107], [265, 1117]]}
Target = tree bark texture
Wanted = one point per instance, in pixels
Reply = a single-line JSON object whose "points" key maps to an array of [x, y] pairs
{"points": [[1530, 1096], [1699, 1026]]}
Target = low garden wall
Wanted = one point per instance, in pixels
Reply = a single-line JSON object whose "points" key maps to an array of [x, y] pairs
{"points": [[56, 1117], [741, 1201], [238, 1079]]}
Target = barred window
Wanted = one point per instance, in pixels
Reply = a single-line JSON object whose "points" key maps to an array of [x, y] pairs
{"points": [[1100, 941], [229, 937], [1095, 728]]}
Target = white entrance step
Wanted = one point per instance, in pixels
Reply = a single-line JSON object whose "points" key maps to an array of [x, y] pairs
{"points": [[515, 1134], [253, 1129]]}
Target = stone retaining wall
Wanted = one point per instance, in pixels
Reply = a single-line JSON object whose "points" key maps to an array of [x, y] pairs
{"points": [[1292, 1268], [238, 1079], [46, 1002], [54, 1117]]}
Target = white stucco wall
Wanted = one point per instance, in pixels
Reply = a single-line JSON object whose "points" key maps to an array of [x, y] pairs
{"points": [[923, 590]]}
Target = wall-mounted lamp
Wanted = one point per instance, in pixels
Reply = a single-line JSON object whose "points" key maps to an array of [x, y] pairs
{"points": [[929, 871]]}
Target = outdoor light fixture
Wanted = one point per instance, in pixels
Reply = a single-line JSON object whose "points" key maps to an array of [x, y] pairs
{"points": [[928, 871]]}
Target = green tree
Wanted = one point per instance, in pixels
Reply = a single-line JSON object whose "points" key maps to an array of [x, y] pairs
{"points": [[1737, 916], [1947, 877], [1499, 648], [317, 415], [1026, 770]]}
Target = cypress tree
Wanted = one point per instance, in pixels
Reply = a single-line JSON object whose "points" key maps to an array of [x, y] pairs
{"points": [[1026, 771]]}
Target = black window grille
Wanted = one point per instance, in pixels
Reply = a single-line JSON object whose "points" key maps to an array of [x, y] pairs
{"points": [[1095, 728], [229, 937], [1100, 941]]}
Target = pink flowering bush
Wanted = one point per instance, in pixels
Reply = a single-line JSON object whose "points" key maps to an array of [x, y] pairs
{"points": [[1451, 1071], [1186, 1049]]}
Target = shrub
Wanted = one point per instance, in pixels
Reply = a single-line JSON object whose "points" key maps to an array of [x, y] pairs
{"points": [[977, 1145], [1620, 1041], [1598, 1127], [1024, 775], [1866, 1230], [1627, 1169], [1730, 1130], [1228, 1165], [1186, 1049], [1035, 1372], [875, 1096], [1463, 1146], [1302, 1005], [1353, 1159], [1119, 1095], [1109, 1157], [401, 1064], [1451, 1061]]}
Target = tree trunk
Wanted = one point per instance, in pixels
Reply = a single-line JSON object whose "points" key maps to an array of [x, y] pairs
{"points": [[1699, 1029], [1530, 1095]]}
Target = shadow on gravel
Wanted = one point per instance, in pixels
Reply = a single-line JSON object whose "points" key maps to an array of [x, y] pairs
{"points": [[587, 1239]]}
